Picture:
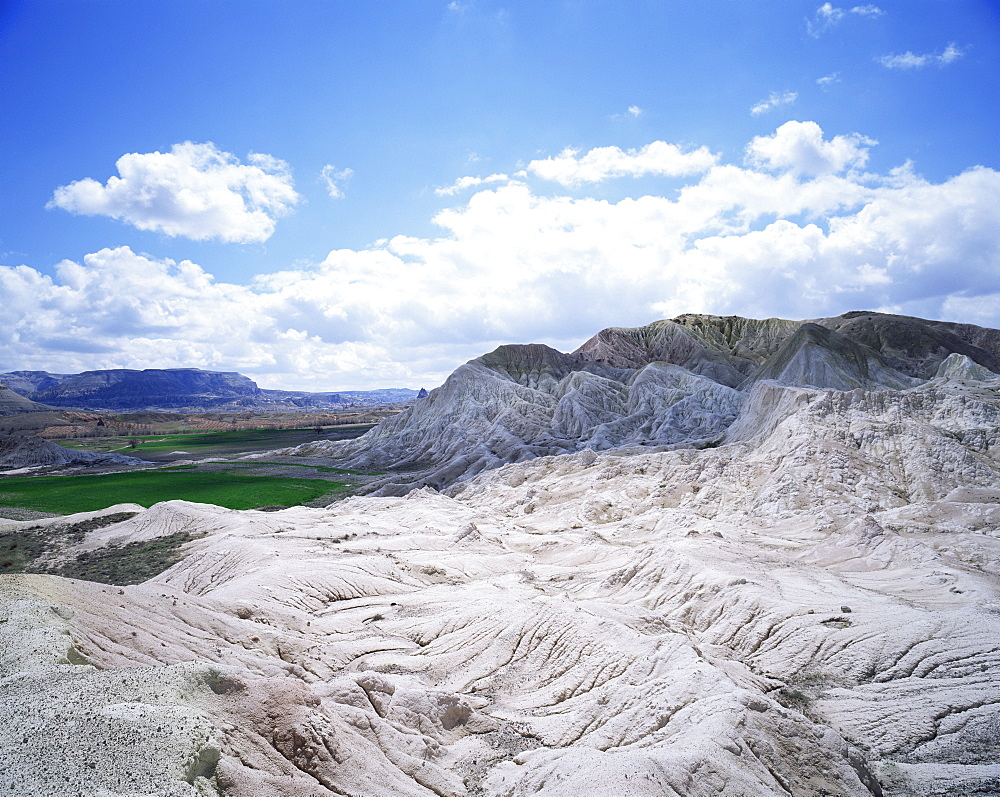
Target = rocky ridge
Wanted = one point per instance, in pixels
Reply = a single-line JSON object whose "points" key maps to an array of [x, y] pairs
{"points": [[671, 383]]}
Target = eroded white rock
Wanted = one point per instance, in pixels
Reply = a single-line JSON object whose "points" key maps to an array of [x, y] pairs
{"points": [[803, 610]]}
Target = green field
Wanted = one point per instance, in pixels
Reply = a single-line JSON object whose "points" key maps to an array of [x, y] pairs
{"points": [[67, 494], [201, 442]]}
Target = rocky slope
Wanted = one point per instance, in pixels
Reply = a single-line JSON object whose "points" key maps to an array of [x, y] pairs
{"points": [[818, 357], [731, 348], [671, 383], [28, 382], [12, 403], [30, 452], [810, 607]]}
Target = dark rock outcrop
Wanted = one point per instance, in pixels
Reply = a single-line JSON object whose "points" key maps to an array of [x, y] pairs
{"points": [[725, 349], [730, 349], [819, 357], [917, 346]]}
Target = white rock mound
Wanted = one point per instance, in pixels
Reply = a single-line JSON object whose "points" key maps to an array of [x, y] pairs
{"points": [[810, 607], [521, 402]]}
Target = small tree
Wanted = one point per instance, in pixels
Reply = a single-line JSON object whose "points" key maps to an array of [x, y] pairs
{"points": [[133, 442]]}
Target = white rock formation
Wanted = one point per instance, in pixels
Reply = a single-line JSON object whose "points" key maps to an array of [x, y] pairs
{"points": [[811, 607], [521, 402], [958, 366], [671, 383]]}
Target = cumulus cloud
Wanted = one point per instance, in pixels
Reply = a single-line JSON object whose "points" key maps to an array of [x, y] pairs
{"points": [[909, 60], [570, 168], [800, 148], [195, 190], [463, 183], [828, 80], [796, 231], [334, 180], [775, 100], [828, 15]]}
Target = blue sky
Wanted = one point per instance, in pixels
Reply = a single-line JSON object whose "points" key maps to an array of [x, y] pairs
{"points": [[352, 195]]}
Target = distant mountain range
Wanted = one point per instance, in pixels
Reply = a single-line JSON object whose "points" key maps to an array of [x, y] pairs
{"points": [[185, 389], [674, 383]]}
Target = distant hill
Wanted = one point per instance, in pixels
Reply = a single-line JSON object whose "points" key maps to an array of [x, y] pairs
{"points": [[180, 389], [12, 403], [28, 382]]}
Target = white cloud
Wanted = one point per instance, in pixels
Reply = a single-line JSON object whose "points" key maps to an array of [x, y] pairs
{"points": [[828, 80], [796, 231], [775, 100], [463, 183], [632, 112], [195, 190], [800, 148], [828, 12], [569, 168], [828, 15], [909, 60], [334, 180]]}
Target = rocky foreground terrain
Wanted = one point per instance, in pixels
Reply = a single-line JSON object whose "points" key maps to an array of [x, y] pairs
{"points": [[697, 575]]}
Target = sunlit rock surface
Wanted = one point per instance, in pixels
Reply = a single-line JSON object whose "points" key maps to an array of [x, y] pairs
{"points": [[807, 605]]}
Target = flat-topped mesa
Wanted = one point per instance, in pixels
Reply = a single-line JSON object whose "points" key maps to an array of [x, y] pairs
{"points": [[25, 382], [183, 390], [126, 388]]}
